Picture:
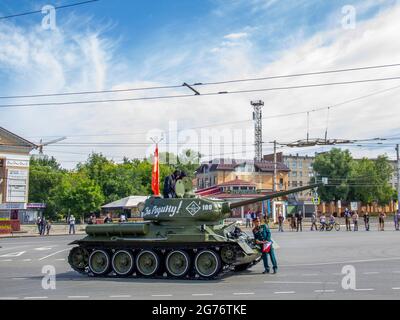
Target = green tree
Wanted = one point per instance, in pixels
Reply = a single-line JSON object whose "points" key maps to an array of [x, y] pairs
{"points": [[78, 194], [336, 165], [45, 175]]}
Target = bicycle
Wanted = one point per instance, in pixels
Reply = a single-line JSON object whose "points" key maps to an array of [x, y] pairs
{"points": [[329, 226]]}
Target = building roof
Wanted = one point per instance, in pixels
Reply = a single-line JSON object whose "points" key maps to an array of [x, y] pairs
{"points": [[19, 141], [125, 203], [237, 182], [231, 164]]}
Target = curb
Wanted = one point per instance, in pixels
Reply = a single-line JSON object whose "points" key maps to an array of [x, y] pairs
{"points": [[38, 236]]}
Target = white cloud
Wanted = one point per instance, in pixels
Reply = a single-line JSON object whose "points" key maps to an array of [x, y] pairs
{"points": [[85, 61], [235, 36]]}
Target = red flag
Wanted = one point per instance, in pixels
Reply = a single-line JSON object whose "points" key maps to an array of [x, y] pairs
{"points": [[155, 177]]}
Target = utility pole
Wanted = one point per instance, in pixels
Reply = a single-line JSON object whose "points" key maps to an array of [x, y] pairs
{"points": [[398, 176], [257, 117], [275, 166]]}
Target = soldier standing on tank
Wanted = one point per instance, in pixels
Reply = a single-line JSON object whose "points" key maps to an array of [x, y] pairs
{"points": [[169, 184], [262, 234]]}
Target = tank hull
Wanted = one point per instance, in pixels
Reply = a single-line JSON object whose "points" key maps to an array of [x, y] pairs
{"points": [[198, 246]]}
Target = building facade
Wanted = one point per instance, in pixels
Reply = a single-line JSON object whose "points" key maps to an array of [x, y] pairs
{"points": [[301, 171], [237, 180], [260, 173], [14, 174]]}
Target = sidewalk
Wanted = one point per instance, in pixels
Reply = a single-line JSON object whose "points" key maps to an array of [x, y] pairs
{"points": [[32, 231]]}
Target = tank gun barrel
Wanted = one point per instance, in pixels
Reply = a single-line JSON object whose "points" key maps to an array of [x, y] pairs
{"points": [[273, 195]]}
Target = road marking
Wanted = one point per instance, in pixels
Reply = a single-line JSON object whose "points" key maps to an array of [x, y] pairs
{"points": [[339, 262], [34, 298], [14, 254], [324, 291], [6, 260], [369, 289], [372, 272], [27, 260], [60, 259], [78, 297], [395, 288], [161, 295], [19, 278], [300, 282], [43, 248], [284, 292], [202, 294], [243, 293], [121, 296], [8, 298], [53, 254]]}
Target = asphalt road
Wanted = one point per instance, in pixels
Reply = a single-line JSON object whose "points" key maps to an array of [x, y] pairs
{"points": [[310, 268]]}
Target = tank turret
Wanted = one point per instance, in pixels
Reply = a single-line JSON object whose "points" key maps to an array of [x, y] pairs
{"points": [[183, 237]]}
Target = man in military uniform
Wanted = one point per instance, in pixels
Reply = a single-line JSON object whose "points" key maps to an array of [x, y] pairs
{"points": [[262, 234], [169, 184]]}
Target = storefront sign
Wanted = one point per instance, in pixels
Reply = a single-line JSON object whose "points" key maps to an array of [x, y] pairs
{"points": [[12, 206], [17, 184], [17, 163]]}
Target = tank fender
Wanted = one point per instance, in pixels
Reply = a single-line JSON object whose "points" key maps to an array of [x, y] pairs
{"points": [[246, 248]]}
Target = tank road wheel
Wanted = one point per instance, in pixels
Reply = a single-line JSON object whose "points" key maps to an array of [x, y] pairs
{"points": [[123, 263], [78, 258], [207, 263], [147, 263], [228, 254], [177, 263], [99, 262]]}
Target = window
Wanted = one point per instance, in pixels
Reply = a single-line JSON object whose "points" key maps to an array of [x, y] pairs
{"points": [[294, 174]]}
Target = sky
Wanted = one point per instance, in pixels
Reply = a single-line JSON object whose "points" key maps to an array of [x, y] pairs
{"points": [[120, 44]]}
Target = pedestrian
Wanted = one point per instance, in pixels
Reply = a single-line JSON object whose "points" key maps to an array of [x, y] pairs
{"points": [[322, 221], [42, 226], [292, 222], [248, 220], [262, 236], [382, 217], [366, 220], [299, 218], [122, 218], [108, 218], [281, 219], [347, 216], [332, 220], [397, 220], [253, 216], [38, 222], [314, 222], [71, 222], [355, 220], [48, 227]]}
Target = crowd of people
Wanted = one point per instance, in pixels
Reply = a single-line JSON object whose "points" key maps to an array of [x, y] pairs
{"points": [[321, 221], [43, 225]]}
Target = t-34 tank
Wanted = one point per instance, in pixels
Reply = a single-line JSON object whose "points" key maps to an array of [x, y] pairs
{"points": [[184, 238]]}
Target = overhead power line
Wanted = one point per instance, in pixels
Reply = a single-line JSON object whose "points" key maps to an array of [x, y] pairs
{"points": [[40, 11], [198, 84], [43, 104], [239, 121]]}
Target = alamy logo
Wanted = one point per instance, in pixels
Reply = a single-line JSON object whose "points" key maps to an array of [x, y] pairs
{"points": [[349, 279], [49, 279], [193, 208]]}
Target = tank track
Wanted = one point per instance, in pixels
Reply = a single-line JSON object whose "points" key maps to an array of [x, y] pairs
{"points": [[162, 275]]}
